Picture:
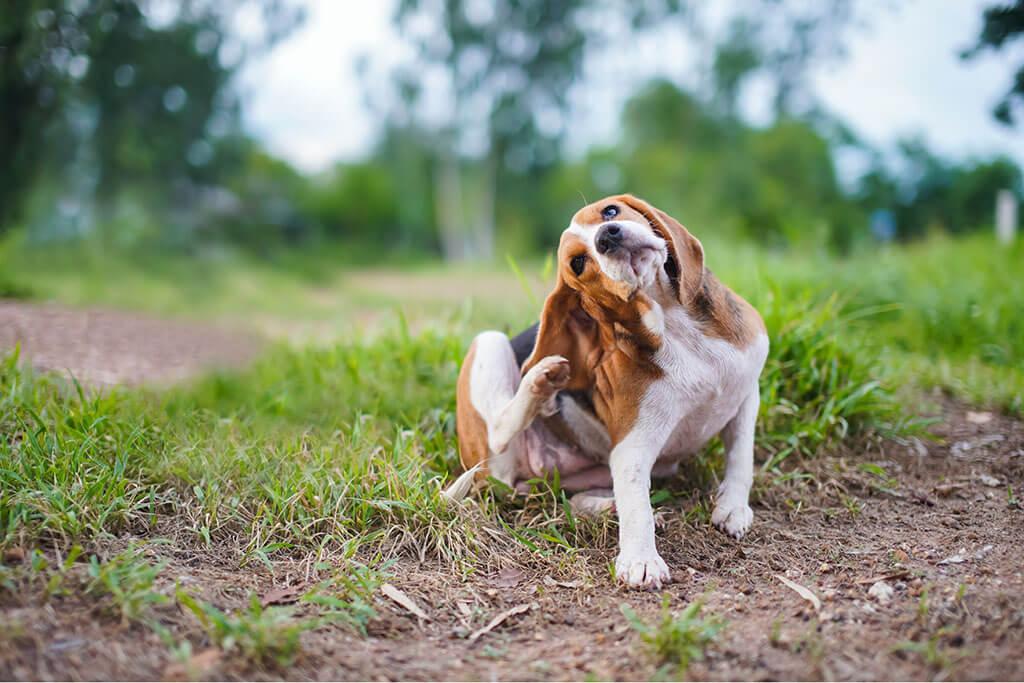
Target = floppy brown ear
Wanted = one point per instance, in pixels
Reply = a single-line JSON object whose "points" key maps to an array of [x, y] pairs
{"points": [[686, 254], [565, 330]]}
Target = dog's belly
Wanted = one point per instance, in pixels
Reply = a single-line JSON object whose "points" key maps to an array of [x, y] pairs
{"points": [[571, 442]]}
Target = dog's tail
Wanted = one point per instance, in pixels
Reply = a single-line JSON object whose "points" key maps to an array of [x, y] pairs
{"points": [[461, 487]]}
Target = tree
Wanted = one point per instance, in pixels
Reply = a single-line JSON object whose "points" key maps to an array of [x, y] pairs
{"points": [[140, 93], [509, 66], [1003, 24], [37, 60]]}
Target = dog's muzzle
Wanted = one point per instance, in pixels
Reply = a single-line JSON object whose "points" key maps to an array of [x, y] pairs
{"points": [[609, 238]]}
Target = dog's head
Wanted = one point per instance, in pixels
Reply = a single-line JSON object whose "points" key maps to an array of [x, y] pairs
{"points": [[617, 256], [620, 246]]}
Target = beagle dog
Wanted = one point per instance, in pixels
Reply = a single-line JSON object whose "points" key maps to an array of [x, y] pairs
{"points": [[641, 356]]}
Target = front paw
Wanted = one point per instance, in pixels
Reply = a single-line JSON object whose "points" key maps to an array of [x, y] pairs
{"points": [[642, 570], [732, 515]]}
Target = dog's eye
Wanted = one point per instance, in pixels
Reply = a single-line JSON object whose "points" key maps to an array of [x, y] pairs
{"points": [[609, 212], [578, 263]]}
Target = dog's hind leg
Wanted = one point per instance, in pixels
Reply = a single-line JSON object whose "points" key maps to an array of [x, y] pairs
{"points": [[732, 511], [502, 405]]}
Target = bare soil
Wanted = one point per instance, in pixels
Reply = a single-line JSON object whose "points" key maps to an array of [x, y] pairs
{"points": [[945, 534], [105, 347]]}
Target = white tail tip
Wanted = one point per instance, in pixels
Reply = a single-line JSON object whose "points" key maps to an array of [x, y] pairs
{"points": [[461, 487]]}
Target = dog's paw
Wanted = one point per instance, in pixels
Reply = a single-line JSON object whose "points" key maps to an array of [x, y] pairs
{"points": [[548, 376], [642, 570], [593, 504], [732, 515]]}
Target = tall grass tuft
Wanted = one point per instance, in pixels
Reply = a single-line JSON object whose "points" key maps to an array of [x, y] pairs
{"points": [[820, 384]]}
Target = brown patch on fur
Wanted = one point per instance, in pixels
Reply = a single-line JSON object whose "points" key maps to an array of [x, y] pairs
{"points": [[469, 424], [723, 314], [719, 311], [609, 348]]}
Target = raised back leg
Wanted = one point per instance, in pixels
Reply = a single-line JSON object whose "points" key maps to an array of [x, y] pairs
{"points": [[495, 407]]}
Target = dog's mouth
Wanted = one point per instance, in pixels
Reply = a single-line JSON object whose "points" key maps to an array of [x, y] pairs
{"points": [[643, 261], [635, 268]]}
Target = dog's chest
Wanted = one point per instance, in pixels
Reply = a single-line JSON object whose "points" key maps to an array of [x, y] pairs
{"points": [[705, 380]]}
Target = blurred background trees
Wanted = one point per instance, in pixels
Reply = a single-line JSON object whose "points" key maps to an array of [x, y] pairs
{"points": [[122, 128]]}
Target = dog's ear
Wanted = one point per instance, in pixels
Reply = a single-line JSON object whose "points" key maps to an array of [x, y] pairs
{"points": [[565, 330], [685, 264]]}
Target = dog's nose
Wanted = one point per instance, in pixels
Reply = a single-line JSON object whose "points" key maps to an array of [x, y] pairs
{"points": [[609, 237]]}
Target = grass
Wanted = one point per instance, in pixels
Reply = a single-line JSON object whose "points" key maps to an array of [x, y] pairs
{"points": [[268, 636], [125, 586], [676, 639], [327, 447], [937, 313], [128, 580]]}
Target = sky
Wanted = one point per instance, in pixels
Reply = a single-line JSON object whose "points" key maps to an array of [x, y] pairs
{"points": [[902, 76]]}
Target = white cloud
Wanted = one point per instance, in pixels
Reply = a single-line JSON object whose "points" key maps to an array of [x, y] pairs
{"points": [[904, 76], [304, 99]]}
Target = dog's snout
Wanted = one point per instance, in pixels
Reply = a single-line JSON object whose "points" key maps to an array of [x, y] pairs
{"points": [[609, 237]]}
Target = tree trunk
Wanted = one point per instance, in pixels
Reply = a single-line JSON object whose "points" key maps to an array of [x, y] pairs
{"points": [[487, 210], [448, 188]]}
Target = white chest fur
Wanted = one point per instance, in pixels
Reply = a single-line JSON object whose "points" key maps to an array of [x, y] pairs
{"points": [[705, 382]]}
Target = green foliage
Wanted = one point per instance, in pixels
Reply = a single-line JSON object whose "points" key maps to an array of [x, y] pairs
{"points": [[123, 130], [936, 194], [102, 96], [817, 386], [11, 289], [1003, 23], [128, 579], [346, 598], [356, 203], [70, 465], [269, 636], [677, 639], [264, 635]]}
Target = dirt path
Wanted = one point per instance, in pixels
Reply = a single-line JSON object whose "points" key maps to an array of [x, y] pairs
{"points": [[103, 347], [941, 527]]}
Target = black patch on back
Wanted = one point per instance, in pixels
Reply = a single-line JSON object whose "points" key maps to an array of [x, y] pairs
{"points": [[703, 301], [523, 343], [734, 306]]}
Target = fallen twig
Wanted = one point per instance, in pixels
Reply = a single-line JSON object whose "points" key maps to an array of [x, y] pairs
{"points": [[884, 577], [802, 591], [404, 601], [496, 621]]}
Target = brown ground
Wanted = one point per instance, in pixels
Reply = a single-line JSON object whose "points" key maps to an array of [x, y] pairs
{"points": [[105, 347], [947, 533]]}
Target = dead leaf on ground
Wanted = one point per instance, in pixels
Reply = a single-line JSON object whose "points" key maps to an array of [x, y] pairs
{"points": [[882, 592], [197, 666], [549, 581], [989, 480], [980, 555], [958, 558], [509, 577], [404, 600], [14, 555], [802, 591], [498, 620], [283, 595], [946, 490], [884, 577]]}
